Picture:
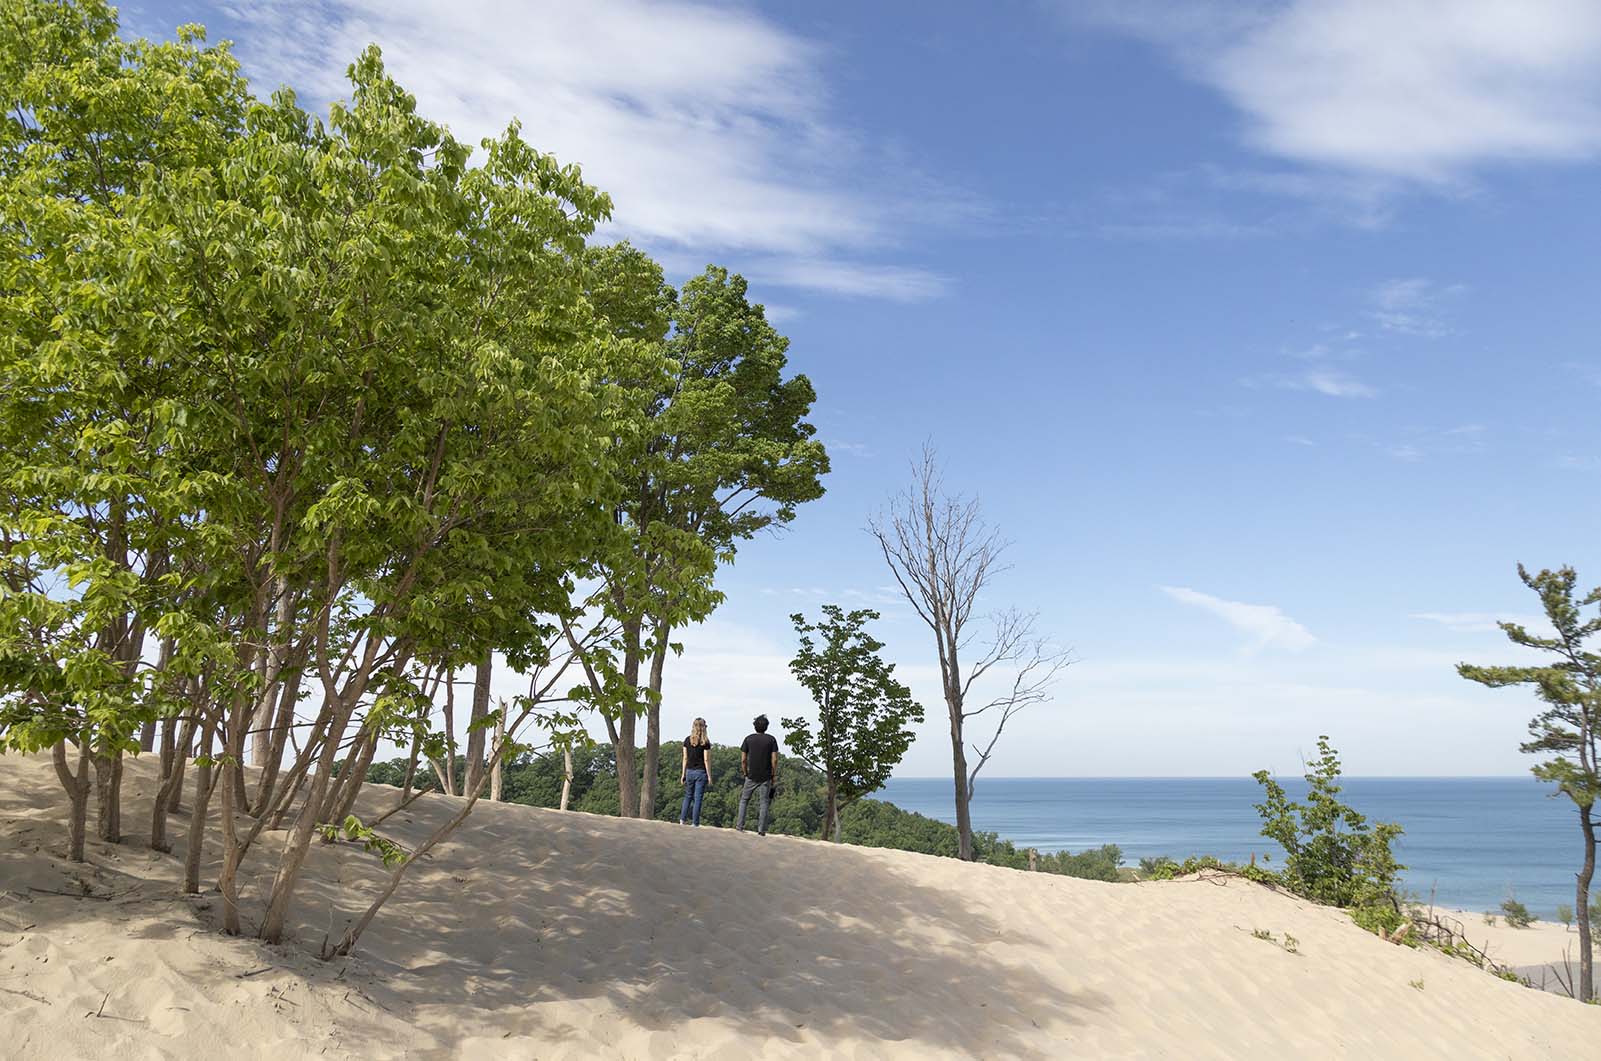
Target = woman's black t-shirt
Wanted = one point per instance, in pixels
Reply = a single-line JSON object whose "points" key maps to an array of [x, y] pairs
{"points": [[696, 755]]}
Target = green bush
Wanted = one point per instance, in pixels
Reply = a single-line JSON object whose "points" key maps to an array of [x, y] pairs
{"points": [[1517, 915], [1333, 855]]}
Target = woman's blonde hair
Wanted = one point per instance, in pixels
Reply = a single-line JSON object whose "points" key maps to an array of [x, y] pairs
{"points": [[697, 733]]}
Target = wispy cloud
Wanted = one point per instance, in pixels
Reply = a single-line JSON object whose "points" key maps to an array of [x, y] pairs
{"points": [[709, 125], [894, 282], [1333, 383], [1330, 382], [837, 446], [1476, 622], [1413, 306], [1265, 625], [1418, 444], [1418, 91]]}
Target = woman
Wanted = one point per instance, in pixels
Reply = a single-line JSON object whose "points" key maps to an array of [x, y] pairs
{"points": [[696, 772]]}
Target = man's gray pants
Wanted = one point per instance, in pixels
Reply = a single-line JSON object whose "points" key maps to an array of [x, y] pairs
{"points": [[766, 789]]}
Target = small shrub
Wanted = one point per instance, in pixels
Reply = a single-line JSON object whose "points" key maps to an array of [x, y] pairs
{"points": [[1378, 917], [1168, 869], [1415, 983], [1517, 915], [1565, 915], [1489, 919], [1289, 943]]}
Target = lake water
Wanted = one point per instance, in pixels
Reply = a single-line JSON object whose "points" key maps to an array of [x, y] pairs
{"points": [[1474, 841]]}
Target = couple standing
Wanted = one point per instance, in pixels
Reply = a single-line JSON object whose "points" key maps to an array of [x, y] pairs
{"points": [[758, 761]]}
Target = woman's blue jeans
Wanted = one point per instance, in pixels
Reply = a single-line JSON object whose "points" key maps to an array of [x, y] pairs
{"points": [[694, 793]]}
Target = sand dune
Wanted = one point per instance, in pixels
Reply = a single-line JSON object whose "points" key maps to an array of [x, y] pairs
{"points": [[541, 934]]}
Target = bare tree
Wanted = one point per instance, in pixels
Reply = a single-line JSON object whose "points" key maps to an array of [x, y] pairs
{"points": [[943, 555]]}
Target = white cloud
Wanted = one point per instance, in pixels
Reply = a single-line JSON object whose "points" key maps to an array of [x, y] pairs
{"points": [[1411, 90], [707, 124], [897, 283], [1333, 383], [1470, 622], [1413, 306], [1330, 382], [836, 446], [1264, 624], [1423, 443], [781, 314], [1405, 452]]}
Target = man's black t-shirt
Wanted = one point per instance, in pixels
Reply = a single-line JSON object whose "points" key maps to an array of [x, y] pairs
{"points": [[759, 749]]}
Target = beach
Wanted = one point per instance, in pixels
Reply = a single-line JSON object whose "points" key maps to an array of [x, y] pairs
{"points": [[536, 933]]}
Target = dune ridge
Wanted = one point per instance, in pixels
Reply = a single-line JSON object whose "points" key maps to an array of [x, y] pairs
{"points": [[537, 933]]}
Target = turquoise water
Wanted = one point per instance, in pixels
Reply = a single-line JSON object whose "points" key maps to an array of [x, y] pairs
{"points": [[1473, 841]]}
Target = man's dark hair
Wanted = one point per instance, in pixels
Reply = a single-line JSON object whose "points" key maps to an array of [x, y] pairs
{"points": [[760, 723]]}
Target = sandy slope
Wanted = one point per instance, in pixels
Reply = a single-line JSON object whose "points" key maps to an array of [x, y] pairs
{"points": [[541, 934], [1546, 952]]}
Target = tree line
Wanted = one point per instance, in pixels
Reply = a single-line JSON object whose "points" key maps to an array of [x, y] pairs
{"points": [[309, 418], [334, 408]]}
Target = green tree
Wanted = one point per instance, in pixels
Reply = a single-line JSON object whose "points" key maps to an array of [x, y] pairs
{"points": [[98, 505], [318, 402], [1333, 855], [728, 454], [863, 713], [1567, 732]]}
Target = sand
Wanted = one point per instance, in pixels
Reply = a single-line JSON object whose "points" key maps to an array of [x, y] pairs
{"points": [[539, 934], [1546, 952]]}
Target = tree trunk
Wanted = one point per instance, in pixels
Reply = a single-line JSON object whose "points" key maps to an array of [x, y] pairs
{"points": [[108, 796], [566, 775], [627, 762], [475, 731], [653, 726], [1581, 907], [182, 752], [495, 771], [232, 854], [830, 809], [299, 840], [171, 778], [197, 813], [274, 653], [77, 786], [148, 733], [411, 767], [964, 821], [351, 788], [282, 725], [448, 777]]}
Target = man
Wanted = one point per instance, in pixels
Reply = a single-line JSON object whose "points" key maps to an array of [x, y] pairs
{"points": [[758, 761]]}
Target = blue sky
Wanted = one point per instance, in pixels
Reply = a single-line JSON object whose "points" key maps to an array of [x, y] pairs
{"points": [[1266, 331]]}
